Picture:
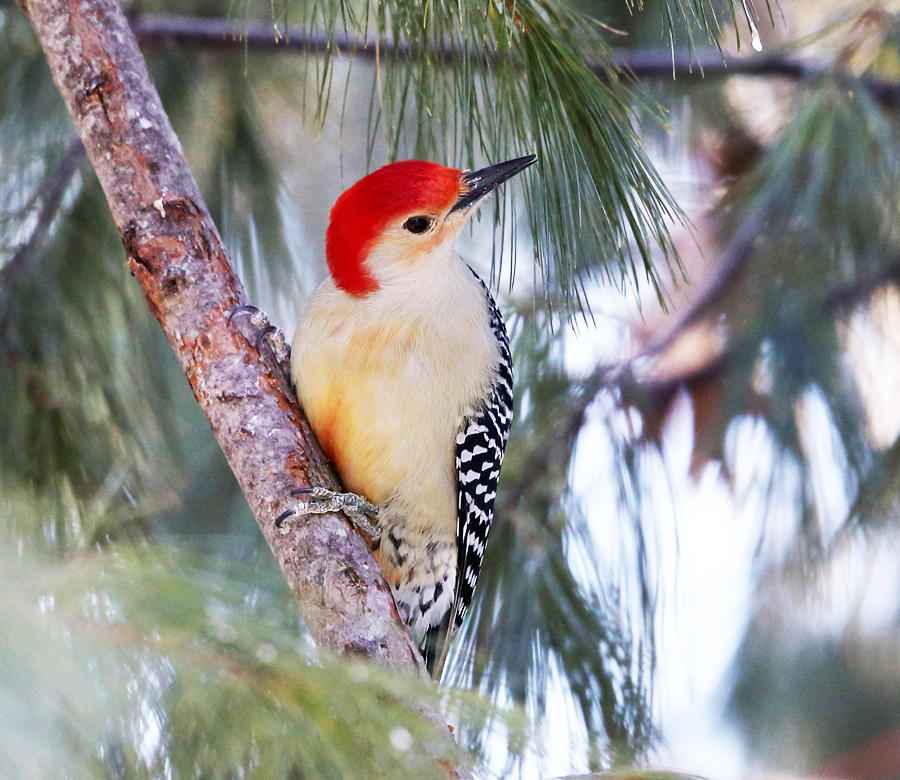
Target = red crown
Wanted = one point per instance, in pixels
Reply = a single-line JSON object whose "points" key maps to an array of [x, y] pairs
{"points": [[360, 215]]}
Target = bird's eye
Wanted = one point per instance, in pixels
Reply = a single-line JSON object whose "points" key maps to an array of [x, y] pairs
{"points": [[417, 224]]}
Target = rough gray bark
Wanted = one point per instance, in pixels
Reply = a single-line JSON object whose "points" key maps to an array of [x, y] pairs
{"points": [[176, 253]]}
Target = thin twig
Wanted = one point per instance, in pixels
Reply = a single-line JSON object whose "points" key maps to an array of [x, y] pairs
{"points": [[849, 295], [732, 264], [625, 378], [19, 264], [558, 447], [54, 187], [699, 64], [663, 62]]}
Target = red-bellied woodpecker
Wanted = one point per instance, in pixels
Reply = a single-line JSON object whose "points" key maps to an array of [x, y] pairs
{"points": [[402, 365]]}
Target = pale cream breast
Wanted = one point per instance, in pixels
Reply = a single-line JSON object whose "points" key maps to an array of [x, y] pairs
{"points": [[385, 393]]}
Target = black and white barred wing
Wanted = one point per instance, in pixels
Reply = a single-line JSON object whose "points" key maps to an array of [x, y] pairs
{"points": [[480, 445]]}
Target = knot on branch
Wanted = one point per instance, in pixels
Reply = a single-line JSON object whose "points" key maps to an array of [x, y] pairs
{"points": [[157, 256], [174, 280]]}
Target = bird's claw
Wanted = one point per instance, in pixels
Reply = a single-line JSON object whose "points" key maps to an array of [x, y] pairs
{"points": [[321, 500], [262, 334], [258, 318]]}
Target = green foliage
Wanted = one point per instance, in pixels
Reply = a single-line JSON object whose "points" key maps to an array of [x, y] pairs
{"points": [[471, 83], [542, 603], [823, 203], [124, 654], [151, 661], [703, 16], [825, 695]]}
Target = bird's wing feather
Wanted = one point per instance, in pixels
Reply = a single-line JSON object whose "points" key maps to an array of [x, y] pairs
{"points": [[480, 444]]}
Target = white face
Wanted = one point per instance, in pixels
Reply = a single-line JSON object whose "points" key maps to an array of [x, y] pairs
{"points": [[414, 241]]}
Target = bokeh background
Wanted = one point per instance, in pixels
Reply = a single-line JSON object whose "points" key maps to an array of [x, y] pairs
{"points": [[694, 559]]}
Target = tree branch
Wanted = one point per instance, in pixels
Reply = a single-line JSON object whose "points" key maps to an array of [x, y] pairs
{"points": [[710, 63], [687, 65], [176, 253], [54, 188], [728, 270]]}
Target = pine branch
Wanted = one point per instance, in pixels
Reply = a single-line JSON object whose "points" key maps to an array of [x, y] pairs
{"points": [[216, 33], [728, 271], [686, 64], [557, 447], [710, 63], [847, 296], [634, 386], [176, 253], [54, 188]]}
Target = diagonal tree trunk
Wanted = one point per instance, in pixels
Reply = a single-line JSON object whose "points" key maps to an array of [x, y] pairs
{"points": [[176, 253]]}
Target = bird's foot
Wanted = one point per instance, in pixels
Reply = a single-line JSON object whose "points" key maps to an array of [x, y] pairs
{"points": [[253, 324], [321, 500]]}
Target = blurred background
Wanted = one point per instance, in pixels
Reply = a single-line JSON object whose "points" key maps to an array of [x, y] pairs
{"points": [[693, 565]]}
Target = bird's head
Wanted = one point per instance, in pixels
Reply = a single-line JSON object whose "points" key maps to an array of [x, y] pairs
{"points": [[402, 214]]}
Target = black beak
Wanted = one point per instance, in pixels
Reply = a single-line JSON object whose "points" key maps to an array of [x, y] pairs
{"points": [[480, 183]]}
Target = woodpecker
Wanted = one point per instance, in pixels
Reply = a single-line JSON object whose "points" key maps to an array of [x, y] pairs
{"points": [[402, 365]]}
